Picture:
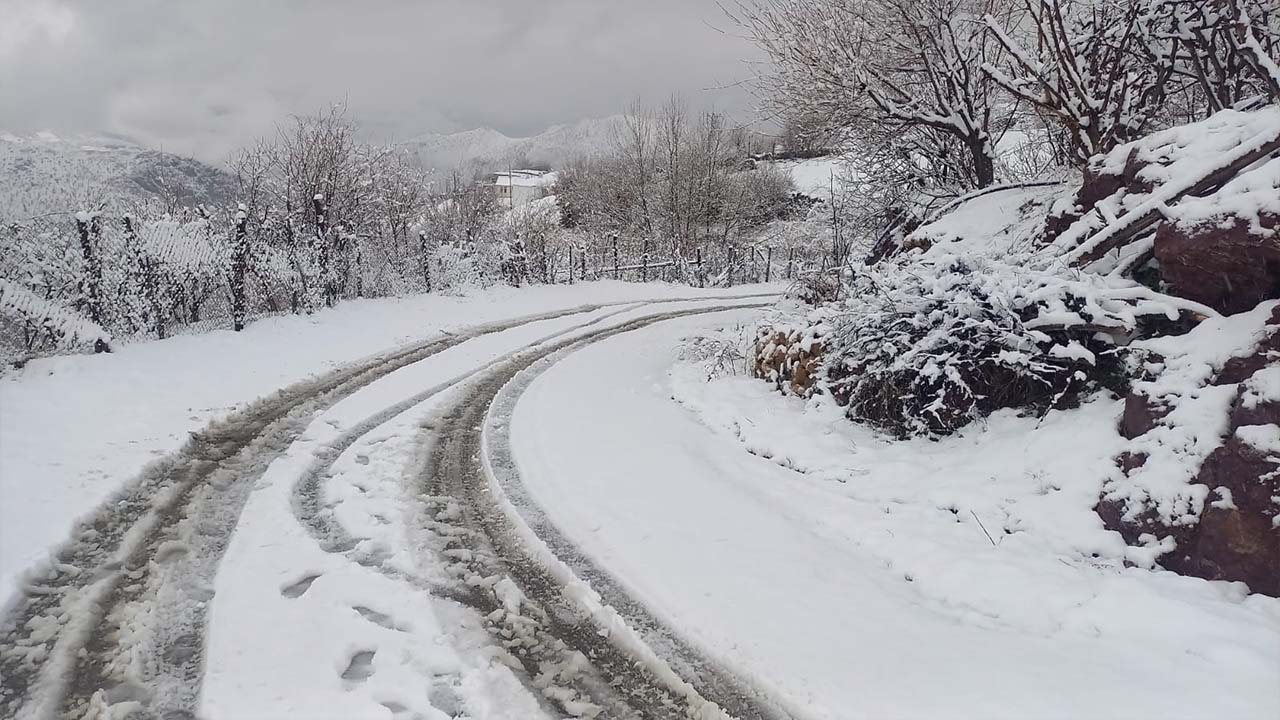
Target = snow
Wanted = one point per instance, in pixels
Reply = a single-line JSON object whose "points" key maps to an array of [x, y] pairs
{"points": [[1263, 438], [816, 177], [997, 223], [312, 613], [856, 576], [1249, 196], [74, 429]]}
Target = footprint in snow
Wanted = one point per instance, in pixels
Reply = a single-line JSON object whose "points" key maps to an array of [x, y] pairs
{"points": [[379, 619], [296, 589], [444, 696], [360, 667], [395, 707]]}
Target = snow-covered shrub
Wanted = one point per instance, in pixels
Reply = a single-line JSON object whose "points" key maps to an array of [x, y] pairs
{"points": [[719, 353], [44, 324], [927, 347]]}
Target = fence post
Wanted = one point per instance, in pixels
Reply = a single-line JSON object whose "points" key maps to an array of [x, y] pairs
{"points": [[91, 284], [239, 266], [729, 269], [644, 262], [768, 263], [426, 259], [582, 258], [702, 278], [570, 266], [790, 269], [328, 287], [616, 276]]}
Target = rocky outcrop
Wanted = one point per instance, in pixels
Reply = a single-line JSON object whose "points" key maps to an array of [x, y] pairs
{"points": [[1102, 180], [1234, 534], [1209, 195]]}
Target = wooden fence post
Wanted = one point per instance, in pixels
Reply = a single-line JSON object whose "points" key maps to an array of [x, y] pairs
{"points": [[616, 276], [426, 258], [790, 268], [90, 230], [239, 267], [644, 262], [768, 264], [702, 278]]}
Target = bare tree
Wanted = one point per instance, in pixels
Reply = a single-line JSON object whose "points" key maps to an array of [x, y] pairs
{"points": [[1080, 62], [1221, 51], [917, 66]]}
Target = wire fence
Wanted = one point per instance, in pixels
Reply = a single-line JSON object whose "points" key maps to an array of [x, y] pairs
{"points": [[92, 281]]}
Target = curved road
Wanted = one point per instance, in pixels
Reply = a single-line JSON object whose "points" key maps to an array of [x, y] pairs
{"points": [[120, 615]]}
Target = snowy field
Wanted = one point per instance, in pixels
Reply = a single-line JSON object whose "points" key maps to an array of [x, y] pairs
{"points": [[74, 429], [856, 577]]}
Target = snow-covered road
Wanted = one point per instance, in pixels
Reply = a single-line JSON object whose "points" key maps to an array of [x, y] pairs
{"points": [[851, 576], [555, 515], [335, 596]]}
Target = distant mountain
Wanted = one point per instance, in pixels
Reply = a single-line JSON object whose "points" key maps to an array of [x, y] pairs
{"points": [[485, 149], [44, 173]]}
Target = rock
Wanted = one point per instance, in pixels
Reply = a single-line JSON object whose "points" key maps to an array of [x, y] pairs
{"points": [[1140, 415], [1236, 540], [1098, 183], [1230, 265], [1236, 537], [791, 359]]}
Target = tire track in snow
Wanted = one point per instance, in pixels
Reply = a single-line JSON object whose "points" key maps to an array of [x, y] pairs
{"points": [[73, 632], [308, 498], [535, 607]]}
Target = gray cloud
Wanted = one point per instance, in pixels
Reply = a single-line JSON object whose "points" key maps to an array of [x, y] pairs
{"points": [[204, 77]]}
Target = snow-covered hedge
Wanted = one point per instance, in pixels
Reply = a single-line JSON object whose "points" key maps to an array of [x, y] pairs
{"points": [[926, 347]]}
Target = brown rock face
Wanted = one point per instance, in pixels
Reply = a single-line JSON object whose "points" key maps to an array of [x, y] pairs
{"points": [[1140, 416], [1235, 539], [1236, 543], [1230, 269]]}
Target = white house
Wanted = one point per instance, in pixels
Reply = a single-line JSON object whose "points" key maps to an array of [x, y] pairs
{"points": [[521, 187]]}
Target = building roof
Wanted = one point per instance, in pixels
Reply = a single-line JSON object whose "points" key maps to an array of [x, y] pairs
{"points": [[525, 178]]}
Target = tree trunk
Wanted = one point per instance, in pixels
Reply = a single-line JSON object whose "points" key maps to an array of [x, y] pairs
{"points": [[984, 166]]}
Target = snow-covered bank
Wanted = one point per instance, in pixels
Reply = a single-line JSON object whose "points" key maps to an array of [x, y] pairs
{"points": [[74, 429], [860, 577]]}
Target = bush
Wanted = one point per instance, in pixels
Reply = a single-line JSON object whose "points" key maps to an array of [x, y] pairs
{"points": [[926, 348]]}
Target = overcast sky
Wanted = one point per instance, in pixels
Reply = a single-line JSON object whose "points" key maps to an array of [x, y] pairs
{"points": [[201, 78]]}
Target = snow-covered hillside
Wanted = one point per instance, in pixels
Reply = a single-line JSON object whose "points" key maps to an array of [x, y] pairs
{"points": [[485, 148], [46, 173]]}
